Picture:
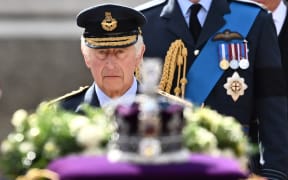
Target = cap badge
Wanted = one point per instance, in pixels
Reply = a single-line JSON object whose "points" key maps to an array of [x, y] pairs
{"points": [[235, 86], [109, 23]]}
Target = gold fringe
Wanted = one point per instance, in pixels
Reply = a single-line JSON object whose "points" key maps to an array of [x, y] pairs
{"points": [[38, 174], [175, 56]]}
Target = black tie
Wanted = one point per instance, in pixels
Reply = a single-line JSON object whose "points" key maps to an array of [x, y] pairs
{"points": [[194, 24]]}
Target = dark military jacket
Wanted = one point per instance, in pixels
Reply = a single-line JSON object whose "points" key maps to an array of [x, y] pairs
{"points": [[84, 95], [264, 100], [73, 101]]}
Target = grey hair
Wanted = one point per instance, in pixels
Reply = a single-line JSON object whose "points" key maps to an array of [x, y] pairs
{"points": [[139, 44]]}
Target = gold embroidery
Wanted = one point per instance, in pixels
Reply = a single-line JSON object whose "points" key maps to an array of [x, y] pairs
{"points": [[227, 35], [109, 23], [111, 41]]}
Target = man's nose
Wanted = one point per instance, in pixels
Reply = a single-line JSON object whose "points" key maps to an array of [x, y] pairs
{"points": [[111, 61]]}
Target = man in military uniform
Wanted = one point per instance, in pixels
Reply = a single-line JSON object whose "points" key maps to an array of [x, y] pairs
{"points": [[224, 54], [279, 13], [112, 47], [282, 30]]}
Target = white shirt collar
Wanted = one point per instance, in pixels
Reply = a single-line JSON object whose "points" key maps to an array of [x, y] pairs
{"points": [[279, 15], [186, 4], [128, 97]]}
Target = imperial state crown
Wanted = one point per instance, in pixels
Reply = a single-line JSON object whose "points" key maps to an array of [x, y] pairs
{"points": [[149, 129]]}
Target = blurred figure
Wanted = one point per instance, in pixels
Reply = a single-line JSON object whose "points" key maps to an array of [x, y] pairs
{"points": [[112, 47], [233, 65], [279, 12]]}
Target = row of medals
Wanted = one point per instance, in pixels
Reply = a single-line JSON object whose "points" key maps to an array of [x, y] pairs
{"points": [[234, 56]]}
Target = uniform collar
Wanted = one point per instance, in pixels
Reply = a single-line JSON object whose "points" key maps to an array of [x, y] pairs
{"points": [[186, 4], [279, 15], [129, 94], [185, 9]]}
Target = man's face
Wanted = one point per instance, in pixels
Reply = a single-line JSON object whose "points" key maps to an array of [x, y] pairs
{"points": [[270, 4], [113, 68]]}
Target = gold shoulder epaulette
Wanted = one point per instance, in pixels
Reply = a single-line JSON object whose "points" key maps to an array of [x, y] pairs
{"points": [[81, 89], [149, 4], [252, 2]]}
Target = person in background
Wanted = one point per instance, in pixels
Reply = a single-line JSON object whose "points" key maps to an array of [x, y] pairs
{"points": [[279, 13], [228, 52], [112, 47]]}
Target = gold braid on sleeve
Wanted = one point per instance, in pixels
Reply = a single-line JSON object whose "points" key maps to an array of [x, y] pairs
{"points": [[175, 56]]}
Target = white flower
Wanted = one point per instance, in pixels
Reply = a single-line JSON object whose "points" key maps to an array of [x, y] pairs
{"points": [[26, 147], [33, 120], [6, 146], [33, 132], [19, 117], [77, 123], [50, 146], [188, 112], [90, 136], [51, 149], [16, 137], [206, 139]]}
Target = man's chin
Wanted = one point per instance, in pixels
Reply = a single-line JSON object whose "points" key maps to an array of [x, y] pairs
{"points": [[112, 86], [113, 92]]}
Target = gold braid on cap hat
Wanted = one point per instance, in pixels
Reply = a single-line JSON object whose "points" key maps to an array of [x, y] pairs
{"points": [[176, 55], [112, 41]]}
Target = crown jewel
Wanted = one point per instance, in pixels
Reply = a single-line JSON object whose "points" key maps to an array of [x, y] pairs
{"points": [[149, 130]]}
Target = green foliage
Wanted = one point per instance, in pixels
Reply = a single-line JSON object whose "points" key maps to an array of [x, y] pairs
{"points": [[208, 131], [49, 133]]}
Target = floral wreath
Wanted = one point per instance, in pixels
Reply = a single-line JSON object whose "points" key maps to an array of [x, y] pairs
{"points": [[51, 132]]}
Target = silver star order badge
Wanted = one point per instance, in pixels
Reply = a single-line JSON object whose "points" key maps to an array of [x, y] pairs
{"points": [[235, 86]]}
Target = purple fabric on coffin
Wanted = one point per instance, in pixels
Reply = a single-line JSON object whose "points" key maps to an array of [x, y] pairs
{"points": [[98, 167]]}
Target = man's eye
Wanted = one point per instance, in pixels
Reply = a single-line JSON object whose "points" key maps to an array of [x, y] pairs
{"points": [[119, 51], [101, 54]]}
